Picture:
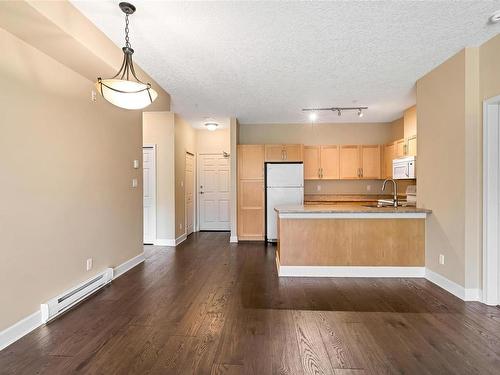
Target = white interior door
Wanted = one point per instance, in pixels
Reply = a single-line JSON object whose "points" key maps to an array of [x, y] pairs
{"points": [[214, 192], [189, 193], [149, 191]]}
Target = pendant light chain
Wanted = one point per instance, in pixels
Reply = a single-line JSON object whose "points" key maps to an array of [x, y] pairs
{"points": [[127, 41]]}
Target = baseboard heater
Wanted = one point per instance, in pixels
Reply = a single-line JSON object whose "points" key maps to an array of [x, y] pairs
{"points": [[68, 299]]}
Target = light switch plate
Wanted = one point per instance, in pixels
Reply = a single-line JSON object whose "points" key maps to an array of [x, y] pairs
{"points": [[134, 182], [89, 264], [441, 259]]}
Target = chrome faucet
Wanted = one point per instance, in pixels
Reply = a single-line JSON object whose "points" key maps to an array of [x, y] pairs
{"points": [[395, 188]]}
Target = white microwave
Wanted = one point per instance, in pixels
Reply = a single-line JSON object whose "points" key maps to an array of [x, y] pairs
{"points": [[404, 168]]}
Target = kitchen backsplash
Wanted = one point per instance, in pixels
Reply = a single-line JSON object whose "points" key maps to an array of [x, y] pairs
{"points": [[352, 186]]}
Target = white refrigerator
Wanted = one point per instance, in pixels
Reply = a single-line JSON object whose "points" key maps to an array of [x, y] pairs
{"points": [[284, 187]]}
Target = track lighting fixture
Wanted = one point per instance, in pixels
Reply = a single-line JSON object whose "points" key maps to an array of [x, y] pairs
{"points": [[339, 110]]}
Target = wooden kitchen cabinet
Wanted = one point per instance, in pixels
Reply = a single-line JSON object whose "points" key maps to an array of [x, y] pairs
{"points": [[388, 157], [399, 148], [330, 166], [412, 146], [371, 162], [274, 152], [284, 152], [360, 162], [251, 204], [350, 162], [321, 162], [250, 162], [311, 162]]}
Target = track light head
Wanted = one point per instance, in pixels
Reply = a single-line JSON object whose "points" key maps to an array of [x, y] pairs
{"points": [[339, 112], [360, 113]]}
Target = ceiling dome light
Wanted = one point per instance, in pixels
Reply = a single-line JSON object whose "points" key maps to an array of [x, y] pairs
{"points": [[120, 90], [495, 18], [211, 126], [313, 116], [360, 113]]}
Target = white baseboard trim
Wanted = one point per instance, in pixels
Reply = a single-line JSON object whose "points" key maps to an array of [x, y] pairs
{"points": [[233, 239], [452, 287], [23, 327], [169, 242], [128, 265], [180, 239], [340, 271]]}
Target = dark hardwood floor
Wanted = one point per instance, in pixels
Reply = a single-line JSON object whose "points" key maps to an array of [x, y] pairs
{"points": [[210, 307]]}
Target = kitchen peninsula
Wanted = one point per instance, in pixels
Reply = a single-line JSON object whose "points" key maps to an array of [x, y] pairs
{"points": [[358, 241]]}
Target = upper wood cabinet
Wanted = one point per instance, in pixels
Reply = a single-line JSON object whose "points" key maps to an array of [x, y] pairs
{"points": [[371, 161], [311, 162], [330, 164], [360, 162], [250, 162], [410, 122], [350, 162], [412, 146], [321, 162], [294, 152], [399, 148], [389, 152], [284, 152]]}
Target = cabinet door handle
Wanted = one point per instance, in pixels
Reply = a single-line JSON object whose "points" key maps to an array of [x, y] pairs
{"points": [[361, 172], [319, 172], [282, 155]]}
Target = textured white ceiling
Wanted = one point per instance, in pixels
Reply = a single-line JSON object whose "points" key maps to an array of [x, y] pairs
{"points": [[264, 61]]}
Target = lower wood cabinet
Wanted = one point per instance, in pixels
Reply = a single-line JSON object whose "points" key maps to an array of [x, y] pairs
{"points": [[251, 205], [251, 210]]}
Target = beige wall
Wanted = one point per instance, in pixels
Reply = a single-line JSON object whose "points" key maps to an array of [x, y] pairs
{"points": [[441, 168], [66, 180], [158, 129], [185, 141], [213, 142], [489, 58], [449, 112], [351, 133]]}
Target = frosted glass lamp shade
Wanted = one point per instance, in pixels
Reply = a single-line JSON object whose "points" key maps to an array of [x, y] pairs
{"points": [[126, 94]]}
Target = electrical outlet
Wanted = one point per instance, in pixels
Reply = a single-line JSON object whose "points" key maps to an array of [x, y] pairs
{"points": [[368, 188], [134, 182], [89, 264], [441, 259], [135, 164], [318, 187], [93, 96], [180, 225]]}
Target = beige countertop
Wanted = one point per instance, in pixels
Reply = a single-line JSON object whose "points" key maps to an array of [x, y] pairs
{"points": [[344, 209]]}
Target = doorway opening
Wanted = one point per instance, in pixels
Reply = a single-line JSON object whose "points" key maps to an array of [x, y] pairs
{"points": [[214, 192], [149, 193], [491, 201]]}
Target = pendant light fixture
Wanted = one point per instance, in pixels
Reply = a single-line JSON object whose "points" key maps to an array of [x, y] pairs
{"points": [[125, 90]]}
